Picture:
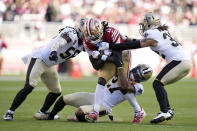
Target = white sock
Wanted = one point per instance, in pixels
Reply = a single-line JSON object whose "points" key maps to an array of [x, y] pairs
{"points": [[132, 100], [12, 112], [98, 97]]}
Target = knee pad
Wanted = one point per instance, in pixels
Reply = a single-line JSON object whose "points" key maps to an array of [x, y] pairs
{"points": [[102, 81], [157, 83]]}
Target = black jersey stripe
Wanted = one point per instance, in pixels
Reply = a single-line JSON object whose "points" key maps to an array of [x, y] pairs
{"points": [[167, 68], [31, 64]]}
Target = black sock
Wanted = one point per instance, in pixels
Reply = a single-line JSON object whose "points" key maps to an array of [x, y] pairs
{"points": [[49, 100], [161, 95], [20, 97], [59, 105]]}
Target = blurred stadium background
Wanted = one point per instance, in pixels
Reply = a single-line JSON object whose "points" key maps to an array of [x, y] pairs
{"points": [[29, 24]]}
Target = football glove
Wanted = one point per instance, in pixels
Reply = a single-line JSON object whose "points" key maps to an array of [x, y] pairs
{"points": [[53, 56], [95, 54], [103, 46]]}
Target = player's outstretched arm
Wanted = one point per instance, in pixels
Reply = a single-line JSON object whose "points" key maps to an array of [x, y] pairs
{"points": [[131, 44]]}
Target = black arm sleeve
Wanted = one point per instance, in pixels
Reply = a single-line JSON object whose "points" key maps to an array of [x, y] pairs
{"points": [[133, 44], [96, 63]]}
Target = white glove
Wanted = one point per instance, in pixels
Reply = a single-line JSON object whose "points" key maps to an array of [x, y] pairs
{"points": [[95, 54], [107, 52], [103, 46], [139, 89]]}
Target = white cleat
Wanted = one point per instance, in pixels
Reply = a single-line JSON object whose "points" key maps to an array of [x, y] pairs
{"points": [[161, 117]]}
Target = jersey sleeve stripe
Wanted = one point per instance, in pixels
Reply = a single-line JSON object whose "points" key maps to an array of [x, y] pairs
{"points": [[114, 33], [116, 37]]}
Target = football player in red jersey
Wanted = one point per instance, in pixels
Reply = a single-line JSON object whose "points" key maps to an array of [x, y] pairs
{"points": [[96, 32]]}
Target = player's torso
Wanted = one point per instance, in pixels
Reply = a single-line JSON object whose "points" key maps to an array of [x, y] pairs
{"points": [[167, 47], [68, 51]]}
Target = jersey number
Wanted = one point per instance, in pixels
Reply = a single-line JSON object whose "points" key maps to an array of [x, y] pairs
{"points": [[69, 53], [174, 42]]}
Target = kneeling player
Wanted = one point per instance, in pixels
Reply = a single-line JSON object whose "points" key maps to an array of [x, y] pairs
{"points": [[112, 96]]}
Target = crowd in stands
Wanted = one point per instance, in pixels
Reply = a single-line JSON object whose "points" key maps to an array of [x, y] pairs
{"points": [[115, 11]]}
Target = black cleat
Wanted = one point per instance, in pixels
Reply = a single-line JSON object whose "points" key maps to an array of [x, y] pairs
{"points": [[8, 116]]}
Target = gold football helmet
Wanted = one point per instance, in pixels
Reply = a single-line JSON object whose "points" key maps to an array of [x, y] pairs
{"points": [[150, 20], [140, 73], [93, 30], [79, 27]]}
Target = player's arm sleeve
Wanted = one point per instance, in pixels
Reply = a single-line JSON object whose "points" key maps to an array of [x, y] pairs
{"points": [[129, 44], [96, 63], [61, 41]]}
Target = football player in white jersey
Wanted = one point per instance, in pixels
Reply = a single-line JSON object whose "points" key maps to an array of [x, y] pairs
{"points": [[112, 96], [67, 44], [157, 37]]}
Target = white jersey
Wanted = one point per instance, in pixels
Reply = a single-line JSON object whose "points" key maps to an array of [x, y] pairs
{"points": [[112, 99], [167, 47], [69, 50]]}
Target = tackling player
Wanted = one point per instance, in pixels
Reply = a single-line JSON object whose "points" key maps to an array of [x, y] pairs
{"points": [[96, 32], [67, 44], [112, 96], [157, 37]]}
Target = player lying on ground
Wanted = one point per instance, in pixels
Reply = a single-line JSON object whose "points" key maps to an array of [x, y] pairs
{"points": [[96, 31], [67, 44], [112, 96], [157, 37]]}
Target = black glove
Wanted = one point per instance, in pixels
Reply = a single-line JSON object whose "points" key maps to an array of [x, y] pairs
{"points": [[116, 58], [53, 56]]}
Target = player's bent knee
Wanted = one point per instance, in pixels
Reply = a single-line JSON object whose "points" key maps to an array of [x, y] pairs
{"points": [[68, 99], [157, 83], [102, 81]]}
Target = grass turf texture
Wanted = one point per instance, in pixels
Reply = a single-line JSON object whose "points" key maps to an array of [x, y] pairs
{"points": [[182, 96]]}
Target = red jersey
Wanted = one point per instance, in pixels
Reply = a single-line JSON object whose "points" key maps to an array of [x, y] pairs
{"points": [[111, 36]]}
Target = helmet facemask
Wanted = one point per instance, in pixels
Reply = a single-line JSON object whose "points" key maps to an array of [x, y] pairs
{"points": [[79, 27]]}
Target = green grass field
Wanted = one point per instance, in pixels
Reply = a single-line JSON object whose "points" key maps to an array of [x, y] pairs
{"points": [[182, 96]]}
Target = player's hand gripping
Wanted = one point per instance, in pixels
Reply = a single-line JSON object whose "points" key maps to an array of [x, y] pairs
{"points": [[53, 56], [103, 46]]}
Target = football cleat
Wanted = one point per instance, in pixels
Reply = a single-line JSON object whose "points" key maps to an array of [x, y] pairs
{"points": [[138, 116], [44, 115], [171, 111], [8, 116], [161, 117], [92, 117]]}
